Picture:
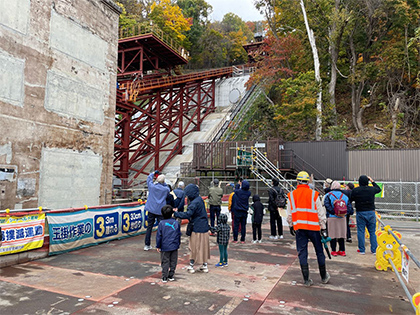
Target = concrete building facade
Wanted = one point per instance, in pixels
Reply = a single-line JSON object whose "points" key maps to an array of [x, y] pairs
{"points": [[58, 62]]}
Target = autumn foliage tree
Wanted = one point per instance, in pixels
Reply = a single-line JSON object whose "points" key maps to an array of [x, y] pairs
{"points": [[169, 18]]}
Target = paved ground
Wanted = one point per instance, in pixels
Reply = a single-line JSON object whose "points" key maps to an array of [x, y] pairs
{"points": [[120, 278]]}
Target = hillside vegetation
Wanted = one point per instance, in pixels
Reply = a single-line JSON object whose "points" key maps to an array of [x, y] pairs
{"points": [[329, 69]]}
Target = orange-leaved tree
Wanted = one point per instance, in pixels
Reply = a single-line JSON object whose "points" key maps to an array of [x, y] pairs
{"points": [[169, 18]]}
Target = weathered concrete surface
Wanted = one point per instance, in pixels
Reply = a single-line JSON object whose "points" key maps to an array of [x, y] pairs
{"points": [[58, 63], [120, 278]]}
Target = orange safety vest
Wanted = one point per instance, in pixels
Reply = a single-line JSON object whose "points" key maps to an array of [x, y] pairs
{"points": [[304, 211]]}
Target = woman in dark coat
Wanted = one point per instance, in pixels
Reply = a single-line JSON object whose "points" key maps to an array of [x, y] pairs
{"points": [[199, 239]]}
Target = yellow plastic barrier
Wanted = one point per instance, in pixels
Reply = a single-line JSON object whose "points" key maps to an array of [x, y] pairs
{"points": [[388, 247], [416, 302]]}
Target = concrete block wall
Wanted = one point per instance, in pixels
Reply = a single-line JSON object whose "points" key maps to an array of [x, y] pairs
{"points": [[58, 62]]}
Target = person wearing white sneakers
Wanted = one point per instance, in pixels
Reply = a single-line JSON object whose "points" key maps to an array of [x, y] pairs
{"points": [[257, 212], [199, 238], [276, 200]]}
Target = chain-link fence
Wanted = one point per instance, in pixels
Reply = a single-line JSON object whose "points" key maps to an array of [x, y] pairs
{"points": [[399, 200]]}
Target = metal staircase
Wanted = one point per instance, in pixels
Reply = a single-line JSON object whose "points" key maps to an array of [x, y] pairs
{"points": [[258, 161]]}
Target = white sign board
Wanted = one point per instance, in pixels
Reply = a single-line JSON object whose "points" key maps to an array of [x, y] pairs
{"points": [[405, 265]]}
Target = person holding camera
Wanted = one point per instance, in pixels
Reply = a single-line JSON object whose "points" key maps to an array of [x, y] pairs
{"points": [[364, 199], [307, 218], [158, 191]]}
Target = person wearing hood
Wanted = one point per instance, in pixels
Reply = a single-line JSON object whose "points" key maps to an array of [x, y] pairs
{"points": [[240, 206], [199, 239], [223, 233], [364, 199], [158, 191], [257, 211]]}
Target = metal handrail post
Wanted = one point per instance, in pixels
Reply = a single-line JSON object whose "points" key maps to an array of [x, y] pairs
{"points": [[417, 202], [402, 284], [409, 253]]}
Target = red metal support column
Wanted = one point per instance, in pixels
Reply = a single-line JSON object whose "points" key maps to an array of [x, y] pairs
{"points": [[199, 107], [157, 129]]}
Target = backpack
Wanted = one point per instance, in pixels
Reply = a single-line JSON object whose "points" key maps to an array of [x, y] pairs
{"points": [[280, 199], [340, 207]]}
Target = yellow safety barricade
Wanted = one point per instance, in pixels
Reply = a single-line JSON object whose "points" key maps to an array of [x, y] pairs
{"points": [[388, 247]]}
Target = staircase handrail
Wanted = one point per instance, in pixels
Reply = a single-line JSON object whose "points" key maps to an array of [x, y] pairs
{"points": [[240, 113], [312, 169], [260, 159], [224, 124]]}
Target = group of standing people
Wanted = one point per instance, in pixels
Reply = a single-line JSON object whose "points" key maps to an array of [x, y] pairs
{"points": [[308, 219]]}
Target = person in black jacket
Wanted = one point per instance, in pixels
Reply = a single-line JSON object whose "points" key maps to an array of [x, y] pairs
{"points": [[257, 209], [275, 217], [240, 206], [364, 198]]}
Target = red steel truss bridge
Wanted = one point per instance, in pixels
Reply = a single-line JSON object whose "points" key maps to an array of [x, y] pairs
{"points": [[154, 109]]}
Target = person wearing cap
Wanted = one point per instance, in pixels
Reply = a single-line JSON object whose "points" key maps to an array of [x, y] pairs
{"points": [[307, 218], [179, 203], [158, 191], [327, 185], [215, 201], [364, 200]]}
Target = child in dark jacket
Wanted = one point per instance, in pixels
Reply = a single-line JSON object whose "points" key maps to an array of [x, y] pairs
{"points": [[257, 211], [223, 233], [168, 239]]}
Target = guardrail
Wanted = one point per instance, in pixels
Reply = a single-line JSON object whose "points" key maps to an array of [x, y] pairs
{"points": [[388, 254], [137, 30]]}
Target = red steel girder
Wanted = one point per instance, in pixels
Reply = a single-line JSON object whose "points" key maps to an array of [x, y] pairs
{"points": [[157, 122]]}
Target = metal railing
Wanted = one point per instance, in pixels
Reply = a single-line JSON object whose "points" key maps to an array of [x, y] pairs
{"points": [[224, 124], [389, 255], [138, 30], [137, 87], [260, 161]]}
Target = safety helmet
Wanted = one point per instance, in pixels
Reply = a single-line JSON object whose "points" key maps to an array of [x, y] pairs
{"points": [[303, 176]]}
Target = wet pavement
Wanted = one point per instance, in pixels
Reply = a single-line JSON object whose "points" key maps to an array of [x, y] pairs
{"points": [[120, 278]]}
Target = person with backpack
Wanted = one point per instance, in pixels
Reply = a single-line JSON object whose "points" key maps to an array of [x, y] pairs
{"points": [[276, 202], [338, 205]]}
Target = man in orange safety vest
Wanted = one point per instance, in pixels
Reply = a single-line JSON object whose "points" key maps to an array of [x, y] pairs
{"points": [[307, 220]]}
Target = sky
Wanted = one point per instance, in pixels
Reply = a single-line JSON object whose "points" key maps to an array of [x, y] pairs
{"points": [[245, 9]]}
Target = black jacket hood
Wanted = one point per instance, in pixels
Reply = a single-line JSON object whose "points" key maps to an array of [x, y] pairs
{"points": [[192, 191], [245, 185], [363, 180], [256, 198]]}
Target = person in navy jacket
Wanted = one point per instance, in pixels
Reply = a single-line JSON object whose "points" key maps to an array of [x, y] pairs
{"points": [[158, 191], [199, 239], [240, 206], [168, 239]]}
